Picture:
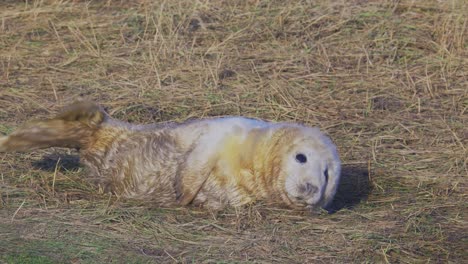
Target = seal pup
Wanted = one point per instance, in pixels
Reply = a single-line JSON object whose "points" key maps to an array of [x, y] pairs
{"points": [[210, 162]]}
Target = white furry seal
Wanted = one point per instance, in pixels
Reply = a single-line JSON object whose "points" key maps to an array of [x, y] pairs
{"points": [[209, 162]]}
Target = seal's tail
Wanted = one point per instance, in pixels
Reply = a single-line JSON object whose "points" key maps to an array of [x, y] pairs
{"points": [[71, 129]]}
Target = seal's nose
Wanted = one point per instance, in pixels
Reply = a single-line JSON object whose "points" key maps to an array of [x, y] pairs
{"points": [[308, 189]]}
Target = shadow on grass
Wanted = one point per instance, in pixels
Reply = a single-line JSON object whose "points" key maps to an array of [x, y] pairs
{"points": [[353, 188], [65, 162]]}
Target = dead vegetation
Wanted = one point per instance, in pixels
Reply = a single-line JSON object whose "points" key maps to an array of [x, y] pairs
{"points": [[387, 80]]}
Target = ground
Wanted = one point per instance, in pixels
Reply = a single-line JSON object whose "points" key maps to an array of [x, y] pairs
{"points": [[387, 80]]}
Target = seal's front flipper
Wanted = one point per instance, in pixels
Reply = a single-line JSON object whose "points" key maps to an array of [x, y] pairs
{"points": [[191, 177]]}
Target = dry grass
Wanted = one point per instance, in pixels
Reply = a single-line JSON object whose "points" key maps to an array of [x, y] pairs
{"points": [[387, 80]]}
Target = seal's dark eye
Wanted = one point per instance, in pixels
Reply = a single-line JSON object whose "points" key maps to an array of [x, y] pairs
{"points": [[301, 158], [326, 175]]}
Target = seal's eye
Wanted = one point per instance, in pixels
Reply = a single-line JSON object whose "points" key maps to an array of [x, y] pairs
{"points": [[301, 158], [326, 175]]}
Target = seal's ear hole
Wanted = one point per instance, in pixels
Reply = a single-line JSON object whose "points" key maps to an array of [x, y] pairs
{"points": [[301, 158]]}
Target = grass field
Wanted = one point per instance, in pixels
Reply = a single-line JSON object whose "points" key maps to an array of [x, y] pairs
{"points": [[387, 80]]}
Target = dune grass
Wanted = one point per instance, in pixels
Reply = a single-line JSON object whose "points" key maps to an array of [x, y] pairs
{"points": [[387, 80]]}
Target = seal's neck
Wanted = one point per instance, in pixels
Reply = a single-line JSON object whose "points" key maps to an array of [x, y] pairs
{"points": [[263, 158]]}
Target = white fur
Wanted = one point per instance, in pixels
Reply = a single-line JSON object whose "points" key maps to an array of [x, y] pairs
{"points": [[320, 152]]}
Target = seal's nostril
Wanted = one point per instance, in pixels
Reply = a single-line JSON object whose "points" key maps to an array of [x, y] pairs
{"points": [[307, 189], [310, 189]]}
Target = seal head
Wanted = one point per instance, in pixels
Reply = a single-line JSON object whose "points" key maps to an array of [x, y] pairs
{"points": [[310, 168]]}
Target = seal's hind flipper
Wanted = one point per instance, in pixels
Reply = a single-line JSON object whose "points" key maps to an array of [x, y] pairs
{"points": [[72, 128], [85, 112]]}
